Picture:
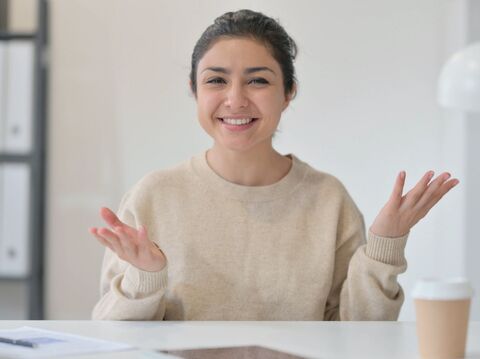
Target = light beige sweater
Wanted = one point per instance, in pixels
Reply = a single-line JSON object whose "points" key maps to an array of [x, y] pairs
{"points": [[293, 250]]}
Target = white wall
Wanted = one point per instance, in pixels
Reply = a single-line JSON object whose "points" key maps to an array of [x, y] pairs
{"points": [[120, 106], [472, 124]]}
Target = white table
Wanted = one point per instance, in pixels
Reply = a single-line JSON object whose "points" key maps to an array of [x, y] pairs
{"points": [[311, 339]]}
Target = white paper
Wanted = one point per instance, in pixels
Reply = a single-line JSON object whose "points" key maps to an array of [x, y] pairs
{"points": [[54, 344]]}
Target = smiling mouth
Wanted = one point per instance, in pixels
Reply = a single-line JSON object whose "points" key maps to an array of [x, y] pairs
{"points": [[237, 122]]}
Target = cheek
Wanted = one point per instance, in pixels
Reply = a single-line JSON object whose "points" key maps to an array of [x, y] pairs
{"points": [[270, 104], [208, 103]]}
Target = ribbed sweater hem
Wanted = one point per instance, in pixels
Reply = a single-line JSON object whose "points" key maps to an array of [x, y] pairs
{"points": [[143, 282], [385, 249]]}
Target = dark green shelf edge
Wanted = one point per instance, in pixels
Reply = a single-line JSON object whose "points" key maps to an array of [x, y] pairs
{"points": [[14, 279], [12, 158], [17, 36]]}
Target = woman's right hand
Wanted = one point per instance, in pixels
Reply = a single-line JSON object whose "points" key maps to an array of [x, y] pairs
{"points": [[130, 244]]}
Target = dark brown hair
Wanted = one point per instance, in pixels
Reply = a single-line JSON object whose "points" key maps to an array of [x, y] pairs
{"points": [[255, 25]]}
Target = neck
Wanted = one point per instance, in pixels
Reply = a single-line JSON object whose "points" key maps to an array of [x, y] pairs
{"points": [[254, 167]]}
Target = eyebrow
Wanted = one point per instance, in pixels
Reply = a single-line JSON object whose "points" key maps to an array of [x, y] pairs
{"points": [[247, 71]]}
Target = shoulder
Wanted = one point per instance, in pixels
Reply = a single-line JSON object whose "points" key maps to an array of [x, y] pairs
{"points": [[322, 181], [327, 190], [158, 182], [171, 176]]}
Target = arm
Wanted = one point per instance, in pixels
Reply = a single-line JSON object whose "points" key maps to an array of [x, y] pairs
{"points": [[365, 283], [365, 280], [128, 293], [134, 271]]}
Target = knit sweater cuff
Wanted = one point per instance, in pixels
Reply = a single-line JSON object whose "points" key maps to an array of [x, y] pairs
{"points": [[385, 249], [142, 282]]}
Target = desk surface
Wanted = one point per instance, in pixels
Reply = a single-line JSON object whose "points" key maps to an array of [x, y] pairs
{"points": [[311, 339]]}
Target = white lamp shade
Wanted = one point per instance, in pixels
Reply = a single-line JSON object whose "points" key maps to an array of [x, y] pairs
{"points": [[459, 83]]}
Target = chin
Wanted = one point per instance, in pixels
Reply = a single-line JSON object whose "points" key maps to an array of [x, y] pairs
{"points": [[240, 146], [244, 146]]}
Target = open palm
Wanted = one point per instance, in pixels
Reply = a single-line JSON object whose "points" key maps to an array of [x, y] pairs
{"points": [[128, 243], [401, 213]]}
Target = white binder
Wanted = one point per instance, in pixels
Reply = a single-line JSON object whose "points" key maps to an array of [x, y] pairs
{"points": [[14, 219], [18, 124], [3, 98]]}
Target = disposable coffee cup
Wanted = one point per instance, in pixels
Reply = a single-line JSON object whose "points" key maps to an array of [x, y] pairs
{"points": [[442, 309]]}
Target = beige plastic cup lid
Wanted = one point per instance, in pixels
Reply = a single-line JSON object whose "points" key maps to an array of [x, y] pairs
{"points": [[443, 289]]}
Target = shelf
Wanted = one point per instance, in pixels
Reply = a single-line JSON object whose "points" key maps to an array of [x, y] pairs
{"points": [[17, 35], [13, 279], [9, 158], [32, 301]]}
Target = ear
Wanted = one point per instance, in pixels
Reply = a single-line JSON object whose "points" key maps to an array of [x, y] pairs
{"points": [[290, 96]]}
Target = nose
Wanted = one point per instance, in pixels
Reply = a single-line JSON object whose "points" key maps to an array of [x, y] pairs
{"points": [[235, 97]]}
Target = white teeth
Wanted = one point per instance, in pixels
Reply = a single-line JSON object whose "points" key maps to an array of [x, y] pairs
{"points": [[242, 121]]}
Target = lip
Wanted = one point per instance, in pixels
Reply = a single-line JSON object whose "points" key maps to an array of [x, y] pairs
{"points": [[237, 128], [237, 117]]}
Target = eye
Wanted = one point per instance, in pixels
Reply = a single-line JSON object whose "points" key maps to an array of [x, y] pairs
{"points": [[259, 80], [216, 80]]}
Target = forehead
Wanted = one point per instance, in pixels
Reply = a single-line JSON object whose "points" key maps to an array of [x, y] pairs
{"points": [[238, 53]]}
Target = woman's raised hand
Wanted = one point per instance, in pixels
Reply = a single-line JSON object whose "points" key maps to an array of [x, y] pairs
{"points": [[401, 213], [130, 244]]}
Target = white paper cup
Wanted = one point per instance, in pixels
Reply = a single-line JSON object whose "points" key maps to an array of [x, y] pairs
{"points": [[442, 309]]}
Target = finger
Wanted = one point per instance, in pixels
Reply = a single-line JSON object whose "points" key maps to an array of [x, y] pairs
{"points": [[144, 243], [444, 188], [128, 243], [432, 189], [414, 195], [110, 217], [142, 235], [113, 221], [102, 240], [396, 195], [143, 238], [112, 238]]}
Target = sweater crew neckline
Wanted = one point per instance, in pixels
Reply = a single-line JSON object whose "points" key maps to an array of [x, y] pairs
{"points": [[286, 185]]}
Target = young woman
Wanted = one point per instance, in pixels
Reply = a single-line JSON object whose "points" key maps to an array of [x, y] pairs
{"points": [[242, 232]]}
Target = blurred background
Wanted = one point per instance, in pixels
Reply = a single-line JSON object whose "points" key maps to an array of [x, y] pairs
{"points": [[117, 105]]}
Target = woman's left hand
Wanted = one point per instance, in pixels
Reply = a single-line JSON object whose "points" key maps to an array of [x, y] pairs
{"points": [[401, 213]]}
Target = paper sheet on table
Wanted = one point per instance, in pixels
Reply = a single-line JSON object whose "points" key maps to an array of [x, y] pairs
{"points": [[52, 344]]}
